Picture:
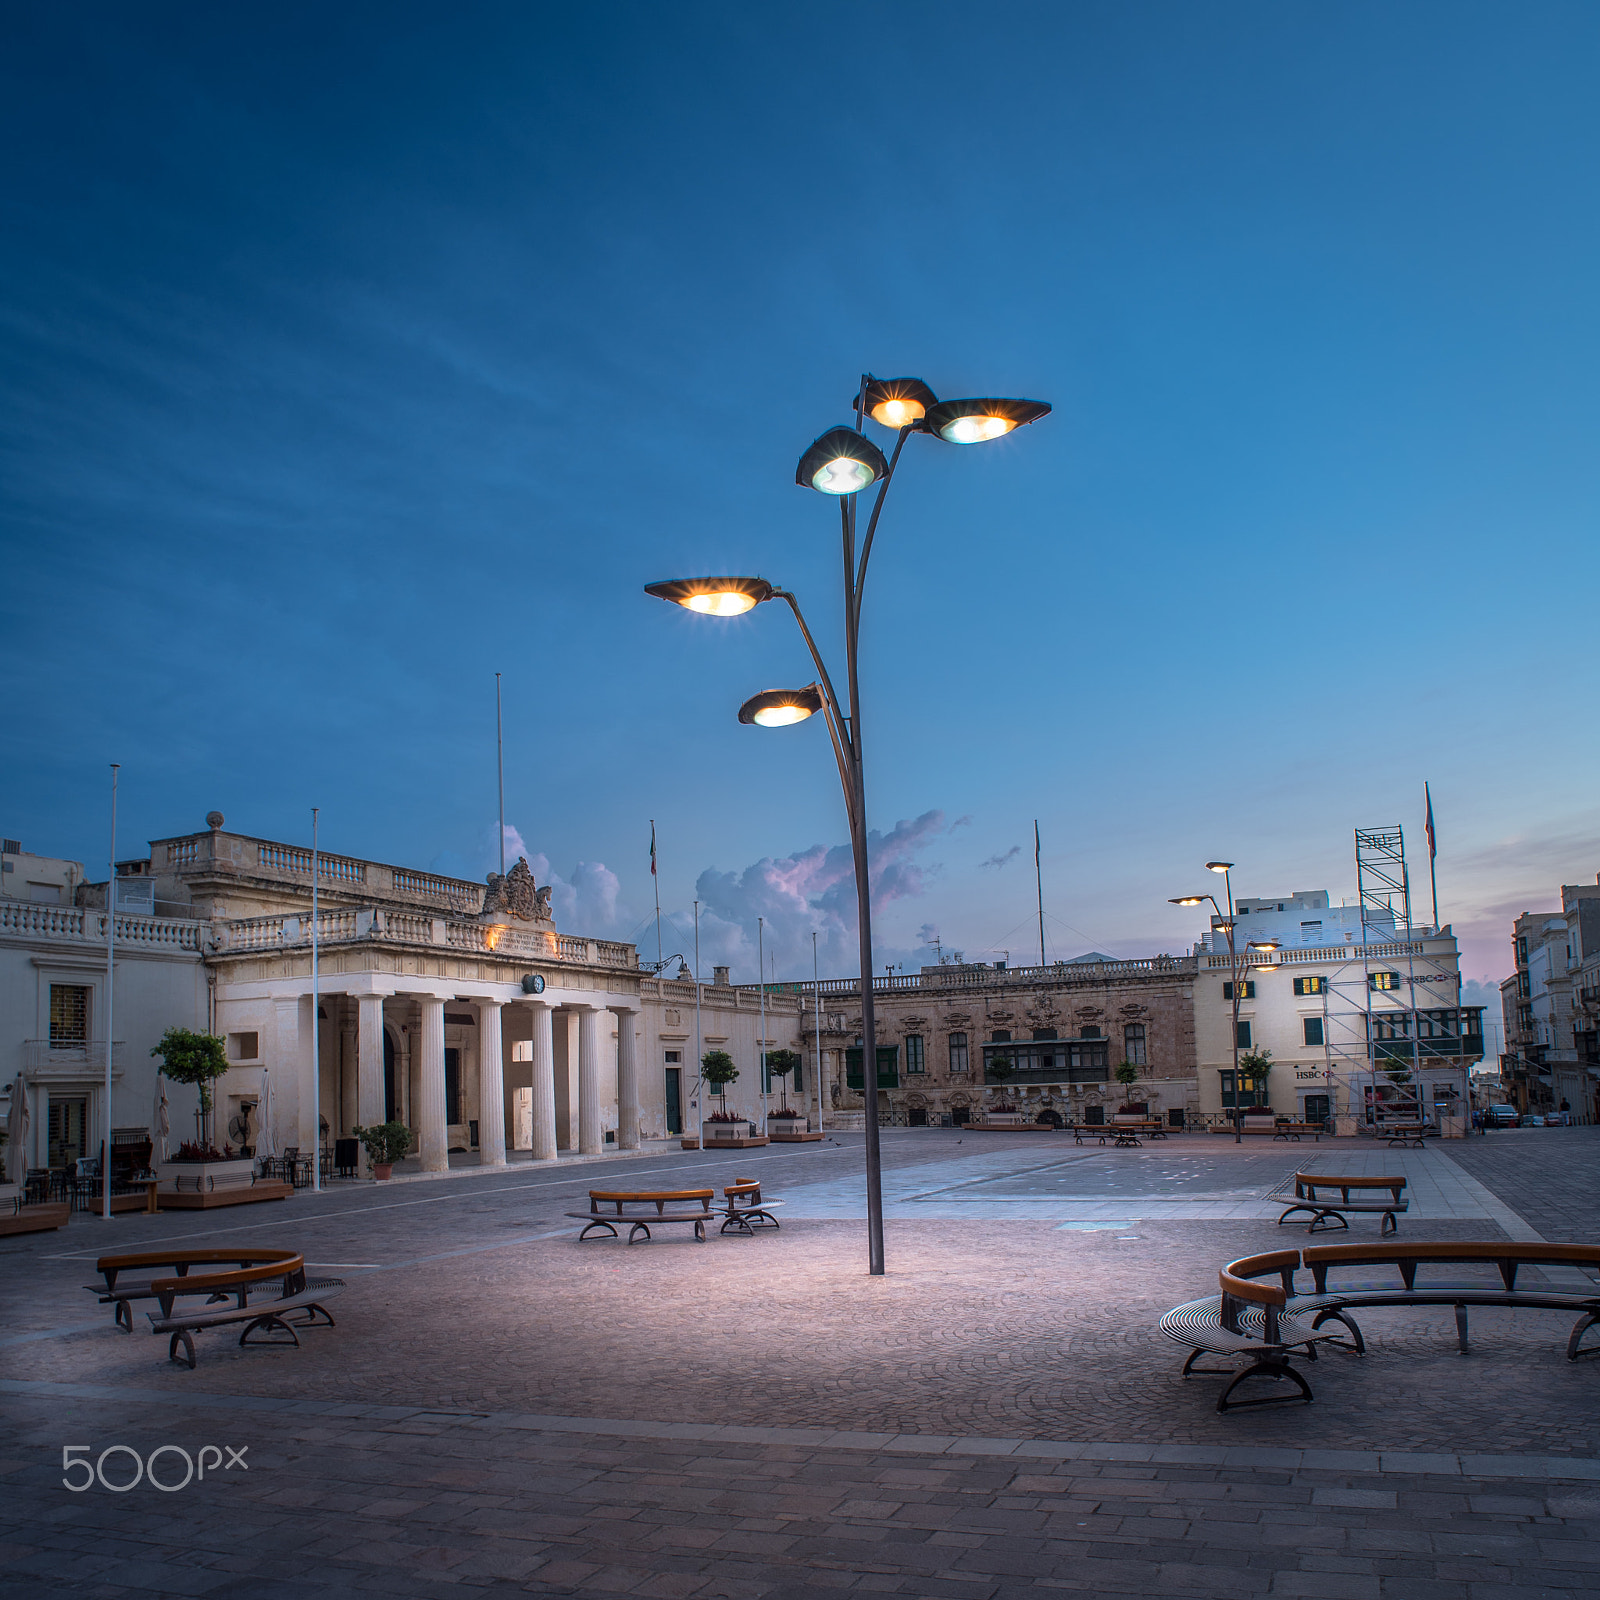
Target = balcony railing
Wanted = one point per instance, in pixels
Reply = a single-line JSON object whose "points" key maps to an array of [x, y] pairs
{"points": [[990, 977], [23, 920], [348, 926], [74, 1056]]}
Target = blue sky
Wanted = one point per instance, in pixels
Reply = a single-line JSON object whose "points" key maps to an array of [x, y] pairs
{"points": [[349, 355]]}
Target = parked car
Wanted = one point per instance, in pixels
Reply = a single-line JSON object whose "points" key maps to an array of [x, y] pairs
{"points": [[1530, 1119], [1501, 1116]]}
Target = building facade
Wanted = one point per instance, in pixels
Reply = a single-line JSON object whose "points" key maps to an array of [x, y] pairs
{"points": [[1551, 1008], [1060, 1032], [454, 1007], [1357, 1033]]}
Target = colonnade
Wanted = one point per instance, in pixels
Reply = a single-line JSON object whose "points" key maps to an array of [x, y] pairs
{"points": [[429, 1109]]}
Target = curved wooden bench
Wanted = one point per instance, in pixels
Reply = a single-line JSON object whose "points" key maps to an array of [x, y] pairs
{"points": [[117, 1292], [1506, 1256], [746, 1210], [298, 1295], [1249, 1319], [640, 1224], [1306, 1185]]}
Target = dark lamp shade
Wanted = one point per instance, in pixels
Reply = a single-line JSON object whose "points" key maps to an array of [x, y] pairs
{"points": [[714, 597], [975, 421], [777, 708], [842, 461]]}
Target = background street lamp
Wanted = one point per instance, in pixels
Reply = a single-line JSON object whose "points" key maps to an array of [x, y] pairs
{"points": [[1225, 922], [843, 462]]}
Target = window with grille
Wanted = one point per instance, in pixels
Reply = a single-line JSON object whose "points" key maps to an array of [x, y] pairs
{"points": [[914, 1056], [958, 1052], [1133, 1043], [69, 1014]]}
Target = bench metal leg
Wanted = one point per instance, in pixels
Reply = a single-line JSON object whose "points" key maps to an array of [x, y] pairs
{"points": [[637, 1229], [1326, 1219], [1461, 1329], [124, 1316], [1388, 1225], [1190, 1370], [598, 1222], [1331, 1314], [181, 1337], [1583, 1326], [1265, 1369], [267, 1321], [314, 1317]]}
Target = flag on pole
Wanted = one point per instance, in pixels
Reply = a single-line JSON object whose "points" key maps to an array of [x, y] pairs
{"points": [[653, 847], [1433, 844]]}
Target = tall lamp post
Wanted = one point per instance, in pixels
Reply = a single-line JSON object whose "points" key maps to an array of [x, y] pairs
{"points": [[843, 462], [1226, 919]]}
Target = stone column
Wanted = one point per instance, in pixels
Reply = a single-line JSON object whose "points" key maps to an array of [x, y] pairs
{"points": [[590, 1142], [349, 1068], [369, 1063], [491, 1087], [433, 1137], [544, 1083], [627, 1080]]}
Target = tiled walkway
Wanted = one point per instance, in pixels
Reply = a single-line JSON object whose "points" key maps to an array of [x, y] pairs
{"points": [[503, 1408]]}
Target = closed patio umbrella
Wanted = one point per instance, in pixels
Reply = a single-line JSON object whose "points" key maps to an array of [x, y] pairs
{"points": [[17, 1132], [265, 1150], [163, 1119]]}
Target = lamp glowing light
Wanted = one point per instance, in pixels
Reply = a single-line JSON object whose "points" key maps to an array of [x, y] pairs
{"points": [[976, 421], [1190, 900], [779, 708], [841, 462], [1219, 866], [713, 597], [898, 402]]}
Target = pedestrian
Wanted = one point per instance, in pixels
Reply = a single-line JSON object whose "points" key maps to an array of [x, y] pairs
{"points": [[1566, 1113]]}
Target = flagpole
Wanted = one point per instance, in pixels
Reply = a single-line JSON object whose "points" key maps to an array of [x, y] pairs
{"points": [[1038, 878], [316, 1033], [699, 1041], [656, 882], [1433, 850], [500, 758], [111, 995], [816, 999], [761, 1048]]}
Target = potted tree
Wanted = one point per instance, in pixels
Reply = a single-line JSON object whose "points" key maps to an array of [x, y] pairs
{"points": [[384, 1143], [718, 1071], [1001, 1112], [1254, 1066], [1127, 1074], [199, 1059], [780, 1063]]}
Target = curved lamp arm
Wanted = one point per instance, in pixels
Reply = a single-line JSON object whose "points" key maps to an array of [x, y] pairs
{"points": [[838, 723]]}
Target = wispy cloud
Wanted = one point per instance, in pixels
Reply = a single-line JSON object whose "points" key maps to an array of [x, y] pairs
{"points": [[999, 861]]}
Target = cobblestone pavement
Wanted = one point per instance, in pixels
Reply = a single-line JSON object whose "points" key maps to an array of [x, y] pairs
{"points": [[1549, 1176], [470, 1299]]}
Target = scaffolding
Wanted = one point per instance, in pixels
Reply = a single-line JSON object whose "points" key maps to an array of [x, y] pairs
{"points": [[1376, 1037]]}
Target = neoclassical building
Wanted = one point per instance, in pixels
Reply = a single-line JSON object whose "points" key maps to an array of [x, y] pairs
{"points": [[1061, 1031], [455, 1007]]}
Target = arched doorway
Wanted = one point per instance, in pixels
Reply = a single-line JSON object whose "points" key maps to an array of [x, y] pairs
{"points": [[388, 1077]]}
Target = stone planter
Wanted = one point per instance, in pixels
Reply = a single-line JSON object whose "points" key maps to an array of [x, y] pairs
{"points": [[205, 1177]]}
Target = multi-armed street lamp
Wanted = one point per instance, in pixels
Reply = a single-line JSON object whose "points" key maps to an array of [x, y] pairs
{"points": [[1225, 921], [842, 463]]}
